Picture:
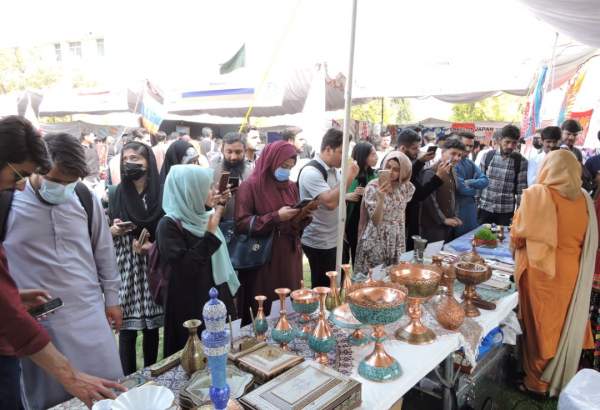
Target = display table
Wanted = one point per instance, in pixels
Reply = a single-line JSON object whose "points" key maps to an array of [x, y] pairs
{"points": [[416, 361], [463, 244]]}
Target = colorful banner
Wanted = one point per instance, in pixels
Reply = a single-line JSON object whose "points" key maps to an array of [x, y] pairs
{"points": [[531, 114], [151, 108], [584, 119], [570, 96]]}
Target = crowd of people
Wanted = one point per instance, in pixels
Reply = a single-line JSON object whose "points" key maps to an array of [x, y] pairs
{"points": [[82, 218]]}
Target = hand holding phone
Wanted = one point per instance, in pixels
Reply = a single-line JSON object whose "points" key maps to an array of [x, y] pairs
{"points": [[302, 204], [384, 176], [46, 308], [234, 183], [223, 181], [126, 226]]}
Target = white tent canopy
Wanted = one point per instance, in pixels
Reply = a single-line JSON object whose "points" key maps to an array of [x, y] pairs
{"points": [[579, 19]]}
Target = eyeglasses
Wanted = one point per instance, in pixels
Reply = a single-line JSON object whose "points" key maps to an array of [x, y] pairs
{"points": [[19, 178]]}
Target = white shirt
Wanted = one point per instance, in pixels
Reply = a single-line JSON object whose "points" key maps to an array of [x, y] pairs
{"points": [[322, 231], [533, 164]]}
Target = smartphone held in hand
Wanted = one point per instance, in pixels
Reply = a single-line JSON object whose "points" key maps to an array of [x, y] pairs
{"points": [[384, 176], [46, 308], [127, 225], [223, 181]]}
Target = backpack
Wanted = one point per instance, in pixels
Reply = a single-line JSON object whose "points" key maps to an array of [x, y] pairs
{"points": [[81, 190], [315, 164], [487, 160], [158, 273]]}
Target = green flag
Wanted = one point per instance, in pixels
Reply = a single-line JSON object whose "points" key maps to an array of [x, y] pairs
{"points": [[235, 62]]}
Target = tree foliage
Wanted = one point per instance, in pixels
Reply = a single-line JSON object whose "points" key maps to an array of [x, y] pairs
{"points": [[22, 70], [25, 69], [395, 111], [503, 107]]}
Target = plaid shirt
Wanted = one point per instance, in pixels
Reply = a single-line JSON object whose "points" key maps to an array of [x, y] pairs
{"points": [[499, 196]]}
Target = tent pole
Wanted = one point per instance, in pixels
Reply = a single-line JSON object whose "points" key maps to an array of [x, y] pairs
{"points": [[347, 120]]}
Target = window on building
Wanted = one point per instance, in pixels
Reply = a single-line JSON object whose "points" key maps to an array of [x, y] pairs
{"points": [[58, 52], [75, 49], [100, 47]]}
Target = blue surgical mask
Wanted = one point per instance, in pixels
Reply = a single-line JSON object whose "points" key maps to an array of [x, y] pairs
{"points": [[56, 193], [282, 174]]}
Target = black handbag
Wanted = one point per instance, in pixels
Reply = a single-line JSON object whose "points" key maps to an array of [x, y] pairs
{"points": [[249, 252]]}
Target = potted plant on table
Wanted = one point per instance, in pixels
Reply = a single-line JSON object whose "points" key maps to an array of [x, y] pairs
{"points": [[486, 238]]}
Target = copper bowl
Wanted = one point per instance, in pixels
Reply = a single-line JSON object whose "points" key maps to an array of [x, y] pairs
{"points": [[422, 281], [377, 302], [471, 257], [472, 273], [304, 296]]}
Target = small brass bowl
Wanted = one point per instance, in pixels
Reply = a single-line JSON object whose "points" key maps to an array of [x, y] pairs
{"points": [[472, 273], [422, 281]]}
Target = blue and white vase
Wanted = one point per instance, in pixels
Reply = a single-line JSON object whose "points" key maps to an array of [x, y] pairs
{"points": [[215, 340]]}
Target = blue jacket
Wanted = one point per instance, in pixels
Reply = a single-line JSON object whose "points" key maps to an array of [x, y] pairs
{"points": [[470, 180]]}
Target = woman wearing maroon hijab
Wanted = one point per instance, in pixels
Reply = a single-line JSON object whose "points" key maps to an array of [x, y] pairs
{"points": [[269, 196]]}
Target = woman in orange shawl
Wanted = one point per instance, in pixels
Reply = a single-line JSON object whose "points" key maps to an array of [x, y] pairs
{"points": [[555, 237]]}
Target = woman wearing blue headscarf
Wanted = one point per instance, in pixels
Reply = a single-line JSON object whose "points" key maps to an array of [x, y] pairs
{"points": [[190, 242]]}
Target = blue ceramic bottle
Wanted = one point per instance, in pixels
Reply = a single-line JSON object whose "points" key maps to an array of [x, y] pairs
{"points": [[215, 340]]}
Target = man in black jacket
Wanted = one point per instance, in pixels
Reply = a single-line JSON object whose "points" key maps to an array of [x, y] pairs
{"points": [[409, 143]]}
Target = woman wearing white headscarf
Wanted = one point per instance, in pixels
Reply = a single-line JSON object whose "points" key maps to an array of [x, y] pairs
{"points": [[382, 218]]}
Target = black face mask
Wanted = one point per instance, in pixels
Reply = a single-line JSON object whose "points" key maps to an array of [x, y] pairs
{"points": [[132, 171]]}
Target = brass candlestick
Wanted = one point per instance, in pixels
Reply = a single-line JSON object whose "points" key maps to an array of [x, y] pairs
{"points": [[321, 341], [333, 298], [347, 282], [283, 332], [260, 323]]}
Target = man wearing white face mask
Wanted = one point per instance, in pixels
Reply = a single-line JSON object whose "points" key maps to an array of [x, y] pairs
{"points": [[62, 243]]}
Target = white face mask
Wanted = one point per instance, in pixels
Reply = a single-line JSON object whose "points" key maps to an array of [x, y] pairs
{"points": [[56, 193]]}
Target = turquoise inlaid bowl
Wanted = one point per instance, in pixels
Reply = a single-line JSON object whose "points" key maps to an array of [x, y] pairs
{"points": [[283, 336], [261, 326], [305, 308], [377, 303], [377, 316], [321, 345], [379, 374]]}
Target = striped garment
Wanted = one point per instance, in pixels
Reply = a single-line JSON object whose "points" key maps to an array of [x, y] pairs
{"points": [[500, 196]]}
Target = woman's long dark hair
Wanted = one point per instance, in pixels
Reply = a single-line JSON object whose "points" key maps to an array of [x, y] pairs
{"points": [[360, 154]]}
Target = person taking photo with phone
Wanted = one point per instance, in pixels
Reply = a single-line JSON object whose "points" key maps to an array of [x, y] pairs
{"points": [[135, 207], [381, 233], [439, 211], [193, 247], [265, 207]]}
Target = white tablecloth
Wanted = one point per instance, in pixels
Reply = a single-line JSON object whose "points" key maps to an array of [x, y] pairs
{"points": [[417, 361]]}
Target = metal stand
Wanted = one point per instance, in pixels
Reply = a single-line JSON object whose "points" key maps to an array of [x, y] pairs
{"points": [[448, 381]]}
